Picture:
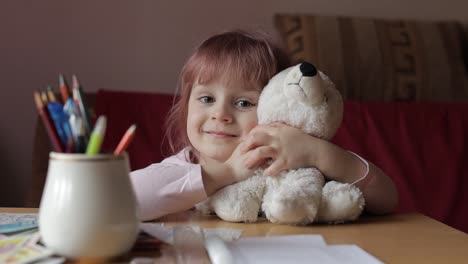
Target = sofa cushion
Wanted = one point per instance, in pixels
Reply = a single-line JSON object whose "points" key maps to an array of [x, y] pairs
{"points": [[148, 111], [423, 147], [381, 59]]}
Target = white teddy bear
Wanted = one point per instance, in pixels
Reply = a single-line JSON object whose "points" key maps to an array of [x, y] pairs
{"points": [[305, 98]]}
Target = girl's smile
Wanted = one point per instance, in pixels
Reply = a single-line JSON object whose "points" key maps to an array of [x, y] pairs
{"points": [[220, 133]]}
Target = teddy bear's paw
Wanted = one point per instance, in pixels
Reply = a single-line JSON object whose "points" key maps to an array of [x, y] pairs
{"points": [[292, 212], [244, 208], [341, 202], [237, 212]]}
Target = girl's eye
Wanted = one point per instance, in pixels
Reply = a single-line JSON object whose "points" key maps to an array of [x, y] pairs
{"points": [[206, 99], [244, 104]]}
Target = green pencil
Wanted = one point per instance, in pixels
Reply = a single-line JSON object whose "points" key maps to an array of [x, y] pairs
{"points": [[97, 136]]}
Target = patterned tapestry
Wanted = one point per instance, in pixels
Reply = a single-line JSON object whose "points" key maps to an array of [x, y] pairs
{"points": [[384, 60]]}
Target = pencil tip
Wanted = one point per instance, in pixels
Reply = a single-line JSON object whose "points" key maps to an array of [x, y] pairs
{"points": [[61, 80], [37, 99], [101, 119], [100, 125], [132, 128], [76, 84], [44, 97]]}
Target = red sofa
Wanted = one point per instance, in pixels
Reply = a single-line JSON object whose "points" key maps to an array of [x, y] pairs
{"points": [[422, 146]]}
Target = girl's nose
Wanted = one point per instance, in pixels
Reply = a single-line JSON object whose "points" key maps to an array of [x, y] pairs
{"points": [[222, 114]]}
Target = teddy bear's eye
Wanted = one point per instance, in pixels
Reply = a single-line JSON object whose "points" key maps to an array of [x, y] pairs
{"points": [[206, 99]]}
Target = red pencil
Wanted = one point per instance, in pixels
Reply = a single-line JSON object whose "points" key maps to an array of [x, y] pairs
{"points": [[41, 108], [63, 89], [126, 139]]}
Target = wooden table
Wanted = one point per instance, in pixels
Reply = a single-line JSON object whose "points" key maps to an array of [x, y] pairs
{"points": [[399, 238]]}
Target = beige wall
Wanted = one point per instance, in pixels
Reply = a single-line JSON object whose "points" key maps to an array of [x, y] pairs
{"points": [[131, 45]]}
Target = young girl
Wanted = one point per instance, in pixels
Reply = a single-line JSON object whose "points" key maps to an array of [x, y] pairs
{"points": [[214, 127]]}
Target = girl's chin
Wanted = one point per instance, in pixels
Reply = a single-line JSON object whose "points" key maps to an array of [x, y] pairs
{"points": [[216, 156]]}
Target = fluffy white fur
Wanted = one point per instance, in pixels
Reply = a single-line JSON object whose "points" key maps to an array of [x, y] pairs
{"points": [[299, 196]]}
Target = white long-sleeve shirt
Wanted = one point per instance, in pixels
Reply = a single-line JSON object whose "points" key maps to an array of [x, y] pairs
{"points": [[171, 186]]}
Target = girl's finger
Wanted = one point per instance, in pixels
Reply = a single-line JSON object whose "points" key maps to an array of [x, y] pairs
{"points": [[256, 164], [254, 140], [275, 168], [258, 156]]}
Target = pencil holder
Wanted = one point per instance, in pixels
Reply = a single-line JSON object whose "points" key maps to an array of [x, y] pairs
{"points": [[88, 208]]}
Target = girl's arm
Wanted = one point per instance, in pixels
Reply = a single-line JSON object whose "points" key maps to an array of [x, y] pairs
{"points": [[170, 186], [292, 148], [337, 164]]}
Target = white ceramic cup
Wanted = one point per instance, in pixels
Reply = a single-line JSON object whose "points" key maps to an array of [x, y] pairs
{"points": [[88, 207]]}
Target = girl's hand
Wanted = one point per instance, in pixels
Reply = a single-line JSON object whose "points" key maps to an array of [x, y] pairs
{"points": [[216, 174], [236, 164], [288, 147]]}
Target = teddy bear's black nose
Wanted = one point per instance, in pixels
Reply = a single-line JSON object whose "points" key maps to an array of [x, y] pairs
{"points": [[308, 69]]}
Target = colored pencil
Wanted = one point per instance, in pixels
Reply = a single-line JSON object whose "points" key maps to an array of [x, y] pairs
{"points": [[79, 133], [126, 139], [79, 98], [97, 136], [51, 94], [42, 110], [63, 89], [60, 121], [45, 101]]}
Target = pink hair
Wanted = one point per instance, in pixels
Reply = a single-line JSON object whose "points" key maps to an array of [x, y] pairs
{"points": [[233, 55]]}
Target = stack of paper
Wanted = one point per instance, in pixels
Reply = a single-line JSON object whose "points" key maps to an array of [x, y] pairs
{"points": [[271, 250]]}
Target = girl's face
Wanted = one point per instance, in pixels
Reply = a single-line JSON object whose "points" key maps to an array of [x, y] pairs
{"points": [[219, 116]]}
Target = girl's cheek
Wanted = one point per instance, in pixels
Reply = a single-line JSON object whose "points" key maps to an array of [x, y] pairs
{"points": [[253, 123]]}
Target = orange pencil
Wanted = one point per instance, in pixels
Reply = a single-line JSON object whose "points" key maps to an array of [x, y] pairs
{"points": [[63, 89], [126, 139], [42, 109]]}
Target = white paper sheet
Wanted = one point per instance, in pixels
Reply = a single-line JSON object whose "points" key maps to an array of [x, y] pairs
{"points": [[295, 249]]}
